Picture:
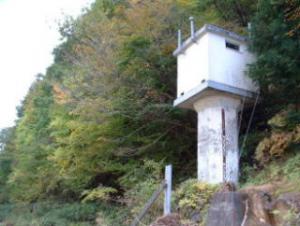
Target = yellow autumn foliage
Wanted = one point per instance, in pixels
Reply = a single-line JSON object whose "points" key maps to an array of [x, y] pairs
{"points": [[101, 193], [280, 139], [193, 197]]}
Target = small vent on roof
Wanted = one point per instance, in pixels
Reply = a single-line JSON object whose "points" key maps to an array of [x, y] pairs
{"points": [[233, 46]]}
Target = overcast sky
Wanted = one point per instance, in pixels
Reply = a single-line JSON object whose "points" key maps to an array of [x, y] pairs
{"points": [[28, 34]]}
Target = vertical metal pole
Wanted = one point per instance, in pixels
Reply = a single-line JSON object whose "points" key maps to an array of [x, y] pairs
{"points": [[192, 27], [179, 38], [168, 189]]}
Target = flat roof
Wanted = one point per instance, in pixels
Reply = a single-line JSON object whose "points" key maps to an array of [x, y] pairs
{"points": [[213, 29], [209, 88]]}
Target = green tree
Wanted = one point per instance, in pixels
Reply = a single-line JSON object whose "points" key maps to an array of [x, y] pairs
{"points": [[7, 151], [277, 68], [31, 172], [238, 12]]}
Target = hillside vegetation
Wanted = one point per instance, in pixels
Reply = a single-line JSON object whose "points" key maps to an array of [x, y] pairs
{"points": [[94, 133]]}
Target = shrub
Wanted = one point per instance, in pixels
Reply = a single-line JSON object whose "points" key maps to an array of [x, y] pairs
{"points": [[285, 134], [49, 214], [193, 197], [5, 210], [137, 197], [115, 215], [74, 212], [100, 193]]}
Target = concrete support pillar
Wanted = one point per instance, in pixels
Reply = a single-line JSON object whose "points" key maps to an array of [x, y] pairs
{"points": [[212, 143]]}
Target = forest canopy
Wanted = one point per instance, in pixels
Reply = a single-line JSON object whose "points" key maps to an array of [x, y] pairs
{"points": [[100, 122]]}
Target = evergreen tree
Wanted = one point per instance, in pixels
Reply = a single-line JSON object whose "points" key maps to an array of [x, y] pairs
{"points": [[275, 41]]}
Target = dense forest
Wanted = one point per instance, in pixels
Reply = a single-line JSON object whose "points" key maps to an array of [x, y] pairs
{"points": [[94, 133]]}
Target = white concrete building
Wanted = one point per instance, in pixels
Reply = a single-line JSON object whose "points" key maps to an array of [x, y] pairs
{"points": [[212, 80]]}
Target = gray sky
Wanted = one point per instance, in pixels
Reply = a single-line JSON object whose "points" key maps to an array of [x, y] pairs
{"points": [[28, 34]]}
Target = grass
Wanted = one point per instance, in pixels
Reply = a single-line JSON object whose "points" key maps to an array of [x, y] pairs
{"points": [[285, 172], [61, 214]]}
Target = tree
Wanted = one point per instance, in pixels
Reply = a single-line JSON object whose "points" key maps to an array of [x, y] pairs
{"points": [[275, 42], [30, 169], [7, 151], [239, 12]]}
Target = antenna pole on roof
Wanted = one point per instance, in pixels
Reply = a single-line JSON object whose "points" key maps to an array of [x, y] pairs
{"points": [[192, 27], [249, 29], [179, 38]]}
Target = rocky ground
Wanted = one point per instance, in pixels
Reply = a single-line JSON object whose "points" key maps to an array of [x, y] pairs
{"points": [[251, 206]]}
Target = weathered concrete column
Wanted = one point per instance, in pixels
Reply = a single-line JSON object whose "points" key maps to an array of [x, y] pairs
{"points": [[218, 134]]}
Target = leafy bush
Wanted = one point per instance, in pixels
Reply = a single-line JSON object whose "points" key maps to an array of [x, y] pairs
{"points": [[49, 214], [5, 209], [60, 214], [75, 212], [101, 193], [137, 197], [193, 197], [284, 135], [273, 146], [116, 215]]}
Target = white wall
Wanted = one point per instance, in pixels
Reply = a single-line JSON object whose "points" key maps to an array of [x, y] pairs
{"points": [[209, 59], [228, 66], [192, 66]]}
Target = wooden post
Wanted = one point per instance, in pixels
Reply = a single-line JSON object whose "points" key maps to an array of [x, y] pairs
{"points": [[168, 189]]}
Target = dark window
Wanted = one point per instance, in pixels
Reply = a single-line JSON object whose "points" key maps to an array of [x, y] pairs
{"points": [[230, 45]]}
